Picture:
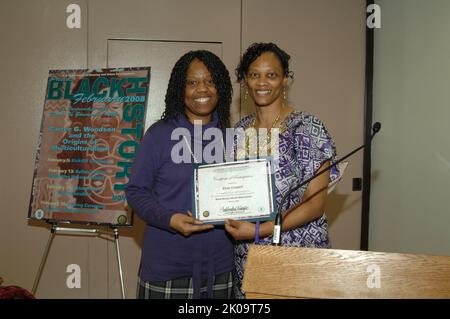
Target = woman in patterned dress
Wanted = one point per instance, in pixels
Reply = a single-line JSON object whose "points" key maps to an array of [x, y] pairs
{"points": [[304, 147]]}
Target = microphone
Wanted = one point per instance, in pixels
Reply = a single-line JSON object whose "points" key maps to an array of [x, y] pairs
{"points": [[276, 239]]}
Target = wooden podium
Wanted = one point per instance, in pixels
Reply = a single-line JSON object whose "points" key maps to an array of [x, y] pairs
{"points": [[293, 272]]}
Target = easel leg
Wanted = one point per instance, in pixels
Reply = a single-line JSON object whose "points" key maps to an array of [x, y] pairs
{"points": [[119, 262], [44, 259]]}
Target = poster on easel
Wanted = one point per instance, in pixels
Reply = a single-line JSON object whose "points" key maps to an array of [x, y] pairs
{"points": [[92, 123]]}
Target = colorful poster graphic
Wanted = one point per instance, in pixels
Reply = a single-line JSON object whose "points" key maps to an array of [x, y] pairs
{"points": [[91, 126]]}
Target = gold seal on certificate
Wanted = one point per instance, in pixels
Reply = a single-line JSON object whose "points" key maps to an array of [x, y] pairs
{"points": [[240, 190]]}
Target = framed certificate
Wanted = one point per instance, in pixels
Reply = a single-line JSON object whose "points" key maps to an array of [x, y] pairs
{"points": [[240, 190]]}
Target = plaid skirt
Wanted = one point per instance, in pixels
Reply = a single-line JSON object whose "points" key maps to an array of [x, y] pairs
{"points": [[182, 288]]}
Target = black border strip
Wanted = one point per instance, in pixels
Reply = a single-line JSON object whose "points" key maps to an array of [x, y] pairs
{"points": [[368, 107]]}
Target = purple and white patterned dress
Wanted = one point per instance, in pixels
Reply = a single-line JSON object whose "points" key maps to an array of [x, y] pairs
{"points": [[304, 145]]}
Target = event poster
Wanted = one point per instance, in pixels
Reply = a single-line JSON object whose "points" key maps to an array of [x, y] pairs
{"points": [[92, 123]]}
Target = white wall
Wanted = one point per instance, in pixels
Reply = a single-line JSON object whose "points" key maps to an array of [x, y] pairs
{"points": [[410, 194]]}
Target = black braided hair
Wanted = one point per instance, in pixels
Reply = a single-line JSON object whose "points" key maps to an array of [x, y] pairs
{"points": [[177, 83], [254, 51]]}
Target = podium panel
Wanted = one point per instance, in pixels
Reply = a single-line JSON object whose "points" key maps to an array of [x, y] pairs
{"points": [[294, 272]]}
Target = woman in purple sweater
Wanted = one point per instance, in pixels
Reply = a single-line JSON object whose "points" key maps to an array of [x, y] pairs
{"points": [[182, 258]]}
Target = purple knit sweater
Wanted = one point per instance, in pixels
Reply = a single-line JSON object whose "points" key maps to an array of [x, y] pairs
{"points": [[157, 189]]}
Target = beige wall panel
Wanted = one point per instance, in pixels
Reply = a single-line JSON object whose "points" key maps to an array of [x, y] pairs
{"points": [[173, 20], [326, 41], [35, 39]]}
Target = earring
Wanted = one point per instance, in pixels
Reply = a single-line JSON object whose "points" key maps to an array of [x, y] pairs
{"points": [[284, 95], [246, 95]]}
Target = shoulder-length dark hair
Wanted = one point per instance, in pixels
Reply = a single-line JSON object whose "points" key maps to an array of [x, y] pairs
{"points": [[177, 84]]}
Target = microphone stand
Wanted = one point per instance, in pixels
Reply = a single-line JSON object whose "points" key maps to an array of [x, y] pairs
{"points": [[276, 239]]}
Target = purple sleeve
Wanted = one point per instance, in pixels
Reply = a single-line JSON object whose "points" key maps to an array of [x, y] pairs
{"points": [[139, 190]]}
